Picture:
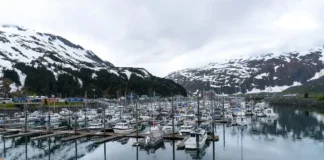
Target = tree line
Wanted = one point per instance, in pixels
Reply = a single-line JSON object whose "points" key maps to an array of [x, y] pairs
{"points": [[74, 83]]}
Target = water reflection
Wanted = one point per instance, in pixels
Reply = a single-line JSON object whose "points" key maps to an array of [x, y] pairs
{"points": [[283, 137], [199, 153], [152, 150]]}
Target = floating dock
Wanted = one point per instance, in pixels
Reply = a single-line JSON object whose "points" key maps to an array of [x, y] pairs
{"points": [[181, 145], [24, 134], [74, 137], [9, 132], [106, 139], [49, 135]]}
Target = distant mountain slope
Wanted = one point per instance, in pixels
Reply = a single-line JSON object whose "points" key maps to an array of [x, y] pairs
{"points": [[313, 86], [267, 73], [48, 64]]}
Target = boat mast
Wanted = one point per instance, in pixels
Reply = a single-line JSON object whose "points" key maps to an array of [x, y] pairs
{"points": [[85, 105]]}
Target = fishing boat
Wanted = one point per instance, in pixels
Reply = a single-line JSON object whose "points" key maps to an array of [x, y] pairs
{"points": [[197, 139], [123, 128]]}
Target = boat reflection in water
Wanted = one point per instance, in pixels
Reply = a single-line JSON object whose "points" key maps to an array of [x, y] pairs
{"points": [[123, 141], [262, 138], [198, 154], [153, 149]]}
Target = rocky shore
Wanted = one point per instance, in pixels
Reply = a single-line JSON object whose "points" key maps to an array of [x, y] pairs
{"points": [[296, 101]]}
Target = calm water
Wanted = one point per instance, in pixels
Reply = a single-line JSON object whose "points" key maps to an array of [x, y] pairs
{"points": [[295, 134]]}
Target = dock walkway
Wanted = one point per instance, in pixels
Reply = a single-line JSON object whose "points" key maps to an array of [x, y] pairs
{"points": [[49, 135], [181, 145], [74, 137], [24, 134]]}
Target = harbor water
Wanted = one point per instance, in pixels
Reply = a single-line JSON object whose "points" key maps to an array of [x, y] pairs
{"points": [[294, 134]]}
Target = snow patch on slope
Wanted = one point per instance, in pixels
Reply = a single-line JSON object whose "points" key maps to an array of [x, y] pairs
{"points": [[94, 75], [13, 87], [113, 71], [128, 73], [80, 82], [274, 88], [318, 75]]}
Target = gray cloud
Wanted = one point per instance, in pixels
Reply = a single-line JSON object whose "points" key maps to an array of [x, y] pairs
{"points": [[168, 35]]}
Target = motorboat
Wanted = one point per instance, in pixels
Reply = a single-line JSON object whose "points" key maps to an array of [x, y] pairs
{"points": [[249, 112], [155, 137], [189, 119], [217, 114], [228, 117], [197, 139], [168, 129], [262, 105], [123, 128], [65, 112], [269, 112], [206, 117], [55, 117], [241, 121], [95, 126], [185, 129], [260, 113]]}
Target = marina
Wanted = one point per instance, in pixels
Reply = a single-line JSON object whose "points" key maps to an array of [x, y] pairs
{"points": [[187, 132], [162, 80], [235, 142]]}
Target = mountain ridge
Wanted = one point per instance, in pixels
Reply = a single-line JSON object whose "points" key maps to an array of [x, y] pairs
{"points": [[27, 56], [270, 72]]}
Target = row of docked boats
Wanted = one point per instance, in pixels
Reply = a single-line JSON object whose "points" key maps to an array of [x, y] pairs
{"points": [[123, 119]]}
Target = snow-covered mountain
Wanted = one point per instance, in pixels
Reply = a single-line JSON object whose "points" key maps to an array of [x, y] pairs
{"points": [[266, 73], [27, 56]]}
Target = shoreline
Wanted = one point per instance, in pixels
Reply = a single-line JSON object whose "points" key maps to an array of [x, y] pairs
{"points": [[296, 101]]}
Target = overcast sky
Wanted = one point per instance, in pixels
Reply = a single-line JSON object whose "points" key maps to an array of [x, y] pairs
{"points": [[167, 35]]}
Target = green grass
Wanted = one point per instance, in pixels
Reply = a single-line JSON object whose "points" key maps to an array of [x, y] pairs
{"points": [[63, 104], [7, 106], [320, 97]]}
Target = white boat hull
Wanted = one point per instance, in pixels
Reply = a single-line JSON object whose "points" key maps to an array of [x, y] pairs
{"points": [[95, 128], [168, 131], [117, 130], [192, 144]]}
